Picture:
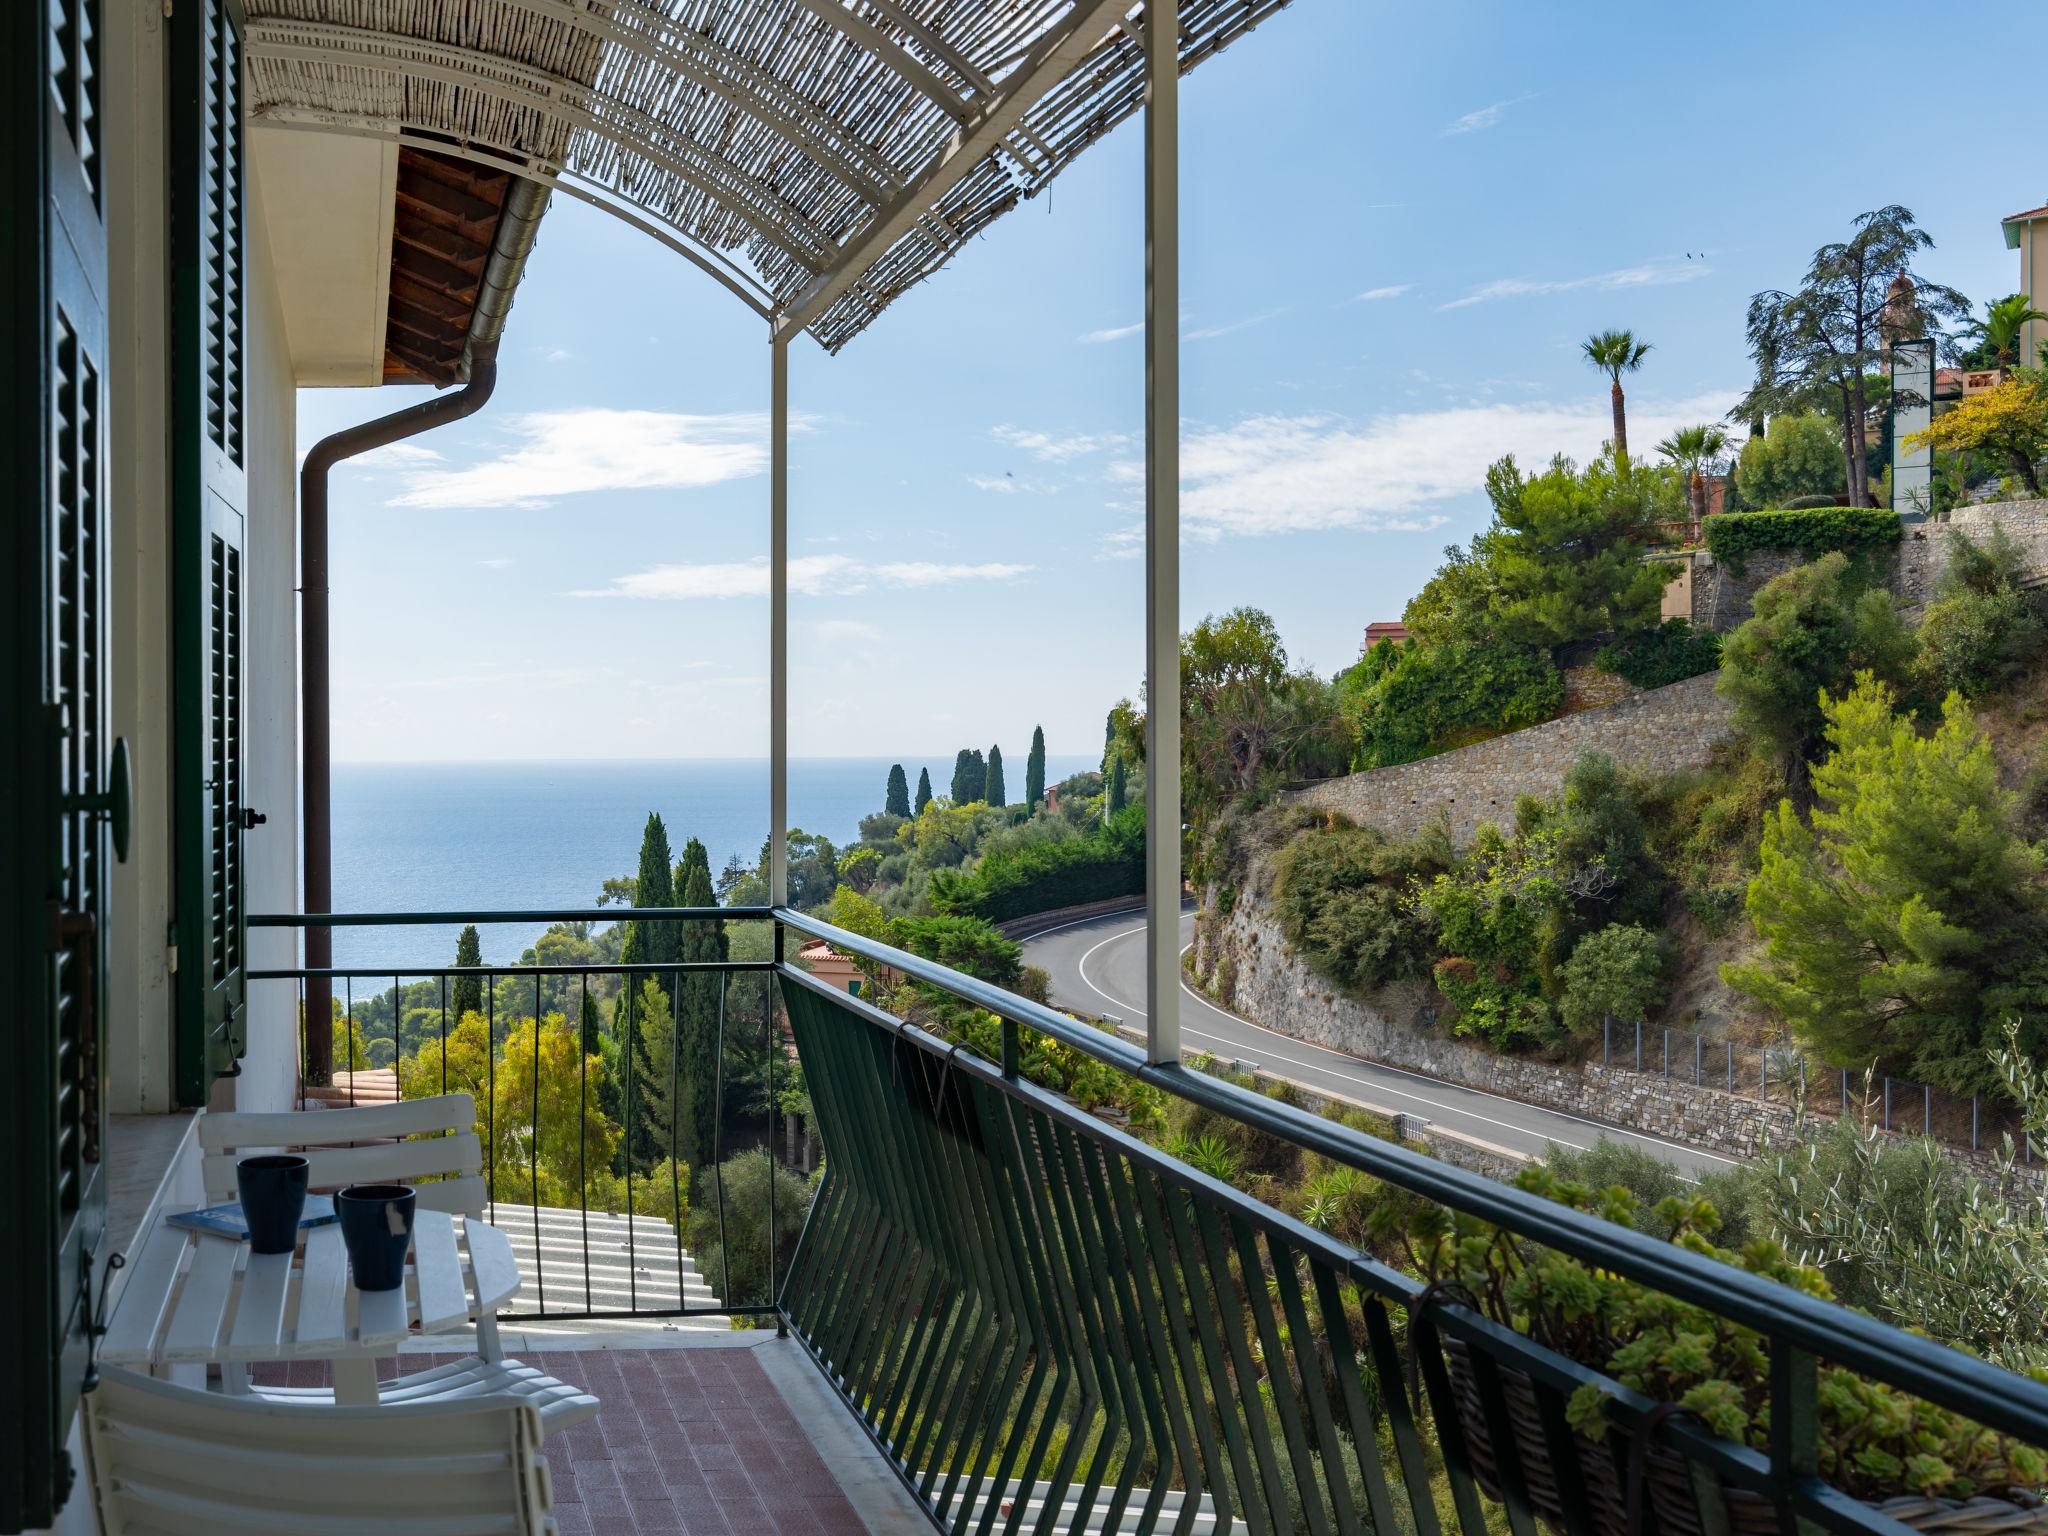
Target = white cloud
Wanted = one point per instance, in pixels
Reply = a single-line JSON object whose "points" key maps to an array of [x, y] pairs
{"points": [[1125, 543], [1057, 450], [1284, 474], [559, 354], [1211, 332], [1391, 291], [396, 456], [567, 453], [1113, 333], [809, 576], [496, 563], [1650, 274], [1485, 117], [838, 634]]}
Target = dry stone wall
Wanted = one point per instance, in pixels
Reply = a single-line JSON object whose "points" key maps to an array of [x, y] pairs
{"points": [[1661, 730], [1273, 989]]}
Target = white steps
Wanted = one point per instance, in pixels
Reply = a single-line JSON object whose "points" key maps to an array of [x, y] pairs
{"points": [[600, 1262]]}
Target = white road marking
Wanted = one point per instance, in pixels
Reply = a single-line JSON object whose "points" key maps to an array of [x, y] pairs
{"points": [[1349, 1073]]}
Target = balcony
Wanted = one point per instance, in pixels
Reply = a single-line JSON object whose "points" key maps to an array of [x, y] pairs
{"points": [[1003, 1312]]}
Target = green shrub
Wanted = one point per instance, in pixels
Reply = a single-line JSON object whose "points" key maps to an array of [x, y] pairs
{"points": [[1799, 457], [732, 1255], [1045, 876], [1804, 503], [1982, 629], [1341, 895], [1616, 971], [1810, 531], [1670, 653], [1435, 697]]}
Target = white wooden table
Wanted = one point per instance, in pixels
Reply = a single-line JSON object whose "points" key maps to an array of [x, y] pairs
{"points": [[196, 1299]]}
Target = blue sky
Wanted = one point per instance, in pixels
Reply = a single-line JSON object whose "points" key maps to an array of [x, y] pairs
{"points": [[1397, 225]]}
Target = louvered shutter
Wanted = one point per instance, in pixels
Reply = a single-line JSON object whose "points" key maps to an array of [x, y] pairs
{"points": [[210, 488], [53, 709]]}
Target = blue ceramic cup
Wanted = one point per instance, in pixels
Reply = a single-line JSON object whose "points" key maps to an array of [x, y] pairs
{"points": [[376, 1228], [273, 1194]]}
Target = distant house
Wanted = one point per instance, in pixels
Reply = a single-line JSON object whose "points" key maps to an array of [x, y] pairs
{"points": [[836, 970], [1384, 630], [2027, 233]]}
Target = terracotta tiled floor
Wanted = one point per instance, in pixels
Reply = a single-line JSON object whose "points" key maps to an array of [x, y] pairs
{"points": [[690, 1442]]}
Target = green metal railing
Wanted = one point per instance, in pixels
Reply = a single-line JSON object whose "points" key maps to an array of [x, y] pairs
{"points": [[1046, 1324]]}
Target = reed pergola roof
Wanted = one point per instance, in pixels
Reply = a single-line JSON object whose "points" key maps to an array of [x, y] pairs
{"points": [[819, 157]]}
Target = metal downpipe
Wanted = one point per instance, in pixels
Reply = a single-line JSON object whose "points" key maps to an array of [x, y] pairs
{"points": [[517, 226]]}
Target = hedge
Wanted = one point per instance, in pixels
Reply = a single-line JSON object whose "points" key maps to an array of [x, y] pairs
{"points": [[1044, 877], [1812, 531], [1670, 653]]}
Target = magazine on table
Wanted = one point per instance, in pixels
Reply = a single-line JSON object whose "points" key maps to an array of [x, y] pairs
{"points": [[226, 1220]]}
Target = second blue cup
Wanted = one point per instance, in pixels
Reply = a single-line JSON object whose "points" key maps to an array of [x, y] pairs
{"points": [[376, 1228]]}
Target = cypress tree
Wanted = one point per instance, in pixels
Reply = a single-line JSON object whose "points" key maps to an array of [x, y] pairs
{"points": [[963, 776], [898, 801], [1117, 787], [924, 790], [653, 943], [1034, 769], [994, 790], [655, 1126], [467, 995], [697, 1014], [593, 1036]]}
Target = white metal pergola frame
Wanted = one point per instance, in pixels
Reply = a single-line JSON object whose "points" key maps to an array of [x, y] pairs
{"points": [[817, 158]]}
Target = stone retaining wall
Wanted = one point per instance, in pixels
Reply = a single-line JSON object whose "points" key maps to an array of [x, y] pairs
{"points": [[1662, 730], [1273, 989]]}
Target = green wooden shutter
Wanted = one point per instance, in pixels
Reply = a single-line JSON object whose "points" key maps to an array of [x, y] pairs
{"points": [[53, 709], [210, 491]]}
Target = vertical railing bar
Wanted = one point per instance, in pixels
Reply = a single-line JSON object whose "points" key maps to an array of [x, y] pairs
{"points": [[491, 1092], [583, 1133], [397, 1017], [1639, 1045], [1973, 1122], [444, 1031], [540, 1279], [1667, 1053], [718, 1147], [1699, 1042], [1887, 1103], [1607, 1040], [675, 1194], [632, 1069], [348, 1028], [774, 1049], [1926, 1110]]}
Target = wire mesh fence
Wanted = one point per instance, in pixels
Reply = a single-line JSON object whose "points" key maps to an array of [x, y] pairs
{"points": [[1783, 1074]]}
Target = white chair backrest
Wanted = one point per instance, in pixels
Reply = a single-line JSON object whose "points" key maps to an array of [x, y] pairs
{"points": [[412, 1140], [171, 1461]]}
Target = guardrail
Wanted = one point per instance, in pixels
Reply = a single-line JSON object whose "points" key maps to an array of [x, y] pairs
{"points": [[1004, 1289], [590, 1178]]}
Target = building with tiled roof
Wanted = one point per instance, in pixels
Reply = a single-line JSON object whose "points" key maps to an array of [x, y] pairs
{"points": [[2027, 233]]}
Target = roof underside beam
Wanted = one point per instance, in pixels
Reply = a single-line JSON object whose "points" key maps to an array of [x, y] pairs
{"points": [[1049, 62]]}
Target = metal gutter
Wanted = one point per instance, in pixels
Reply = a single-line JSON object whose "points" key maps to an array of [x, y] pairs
{"points": [[525, 202]]}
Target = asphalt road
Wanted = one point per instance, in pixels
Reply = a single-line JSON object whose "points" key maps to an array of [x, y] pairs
{"points": [[1097, 966]]}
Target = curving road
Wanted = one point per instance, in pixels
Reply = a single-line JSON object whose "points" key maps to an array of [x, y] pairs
{"points": [[1097, 966]]}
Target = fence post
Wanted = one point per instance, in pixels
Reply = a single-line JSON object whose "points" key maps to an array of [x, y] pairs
{"points": [[1667, 1053], [1731, 1066], [1802, 1074], [1639, 1045], [1606, 1039], [1845, 1090], [1763, 1072], [1887, 1103], [1926, 1109], [1699, 1043], [1973, 1122]]}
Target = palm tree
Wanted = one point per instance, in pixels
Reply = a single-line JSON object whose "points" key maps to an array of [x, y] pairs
{"points": [[1615, 353], [1692, 449], [1998, 333]]}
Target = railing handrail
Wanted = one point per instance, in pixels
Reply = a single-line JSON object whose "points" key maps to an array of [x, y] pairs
{"points": [[509, 968], [542, 915], [1987, 1393]]}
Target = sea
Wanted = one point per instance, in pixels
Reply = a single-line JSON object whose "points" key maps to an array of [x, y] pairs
{"points": [[468, 837]]}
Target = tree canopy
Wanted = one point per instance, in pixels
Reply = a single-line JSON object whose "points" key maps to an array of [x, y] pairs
{"points": [[1800, 456], [897, 800], [1034, 769], [2008, 424], [994, 790], [970, 777], [924, 791]]}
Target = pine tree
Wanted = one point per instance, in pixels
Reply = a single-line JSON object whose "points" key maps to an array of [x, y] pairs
{"points": [[898, 801], [994, 790], [924, 790], [467, 995], [697, 1014], [1117, 787], [1034, 769]]}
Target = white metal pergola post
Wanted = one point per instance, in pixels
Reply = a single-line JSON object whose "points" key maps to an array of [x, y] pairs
{"points": [[778, 619], [1162, 531]]}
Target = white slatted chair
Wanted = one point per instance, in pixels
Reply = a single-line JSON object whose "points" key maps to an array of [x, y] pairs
{"points": [[412, 1140], [171, 1461]]}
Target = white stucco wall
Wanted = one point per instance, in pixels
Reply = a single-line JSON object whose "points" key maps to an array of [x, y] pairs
{"points": [[271, 674]]}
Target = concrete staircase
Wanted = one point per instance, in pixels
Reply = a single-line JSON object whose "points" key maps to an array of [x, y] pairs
{"points": [[633, 1264]]}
